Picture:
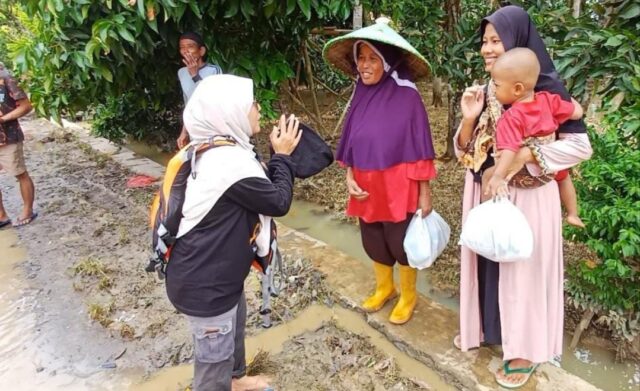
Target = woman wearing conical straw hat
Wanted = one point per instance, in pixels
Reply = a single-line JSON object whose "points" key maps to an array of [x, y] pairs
{"points": [[387, 149]]}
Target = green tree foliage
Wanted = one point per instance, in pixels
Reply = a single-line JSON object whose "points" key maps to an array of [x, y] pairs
{"points": [[83, 51], [599, 57]]}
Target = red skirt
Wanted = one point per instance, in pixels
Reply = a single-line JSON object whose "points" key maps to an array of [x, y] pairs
{"points": [[393, 192]]}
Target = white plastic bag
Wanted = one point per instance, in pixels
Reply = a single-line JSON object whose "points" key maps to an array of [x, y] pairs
{"points": [[499, 231], [425, 239]]}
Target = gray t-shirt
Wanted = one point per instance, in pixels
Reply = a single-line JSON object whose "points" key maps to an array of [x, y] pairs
{"points": [[189, 84]]}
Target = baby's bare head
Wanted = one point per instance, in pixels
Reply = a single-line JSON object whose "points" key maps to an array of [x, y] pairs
{"points": [[518, 65]]}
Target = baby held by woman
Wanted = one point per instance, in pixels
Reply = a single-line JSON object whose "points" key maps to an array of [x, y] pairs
{"points": [[533, 118]]}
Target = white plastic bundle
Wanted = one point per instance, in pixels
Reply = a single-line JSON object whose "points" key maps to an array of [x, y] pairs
{"points": [[425, 239], [499, 231]]}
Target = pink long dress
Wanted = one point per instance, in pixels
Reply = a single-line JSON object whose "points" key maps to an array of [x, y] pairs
{"points": [[531, 295]]}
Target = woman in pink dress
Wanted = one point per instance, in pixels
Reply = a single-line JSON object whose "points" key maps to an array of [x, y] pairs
{"points": [[518, 305]]}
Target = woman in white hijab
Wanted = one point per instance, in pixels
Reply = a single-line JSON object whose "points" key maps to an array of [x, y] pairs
{"points": [[227, 201]]}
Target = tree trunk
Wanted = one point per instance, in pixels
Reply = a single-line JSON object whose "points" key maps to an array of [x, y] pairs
{"points": [[311, 84], [453, 15], [581, 327], [451, 123], [436, 89], [357, 15], [576, 8]]}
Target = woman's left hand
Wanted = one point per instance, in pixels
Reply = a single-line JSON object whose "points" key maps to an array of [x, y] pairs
{"points": [[424, 199]]}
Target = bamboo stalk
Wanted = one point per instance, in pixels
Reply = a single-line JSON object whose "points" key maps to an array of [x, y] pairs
{"points": [[344, 113], [298, 68], [332, 31], [326, 87], [310, 82], [298, 102]]}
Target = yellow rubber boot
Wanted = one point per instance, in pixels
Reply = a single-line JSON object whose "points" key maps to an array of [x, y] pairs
{"points": [[385, 290], [408, 297]]}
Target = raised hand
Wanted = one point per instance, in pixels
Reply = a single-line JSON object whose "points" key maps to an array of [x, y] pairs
{"points": [[191, 63], [286, 136], [472, 102]]}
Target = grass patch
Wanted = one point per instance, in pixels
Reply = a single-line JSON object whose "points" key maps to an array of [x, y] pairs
{"points": [[101, 159], [155, 329], [101, 313], [261, 364], [90, 267], [105, 283], [124, 236], [127, 331]]}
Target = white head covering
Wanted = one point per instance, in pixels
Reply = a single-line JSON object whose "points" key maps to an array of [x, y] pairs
{"points": [[385, 64], [220, 106]]}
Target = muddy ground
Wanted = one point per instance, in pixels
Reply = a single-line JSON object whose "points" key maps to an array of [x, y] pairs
{"points": [[97, 307], [336, 360]]}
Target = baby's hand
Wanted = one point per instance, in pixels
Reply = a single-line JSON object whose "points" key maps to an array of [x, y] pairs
{"points": [[497, 187]]}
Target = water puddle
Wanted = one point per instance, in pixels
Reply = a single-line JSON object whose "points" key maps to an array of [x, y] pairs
{"points": [[597, 366], [311, 219], [145, 150], [21, 364], [272, 341]]}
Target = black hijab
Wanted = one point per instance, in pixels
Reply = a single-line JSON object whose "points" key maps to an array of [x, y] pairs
{"points": [[516, 29]]}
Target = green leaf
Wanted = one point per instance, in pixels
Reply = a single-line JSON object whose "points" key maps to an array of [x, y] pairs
{"points": [[291, 5], [233, 9], [124, 33], [572, 71], [153, 24], [631, 12], [613, 42], [269, 9], [105, 73], [141, 11], [305, 7], [247, 9], [195, 8]]}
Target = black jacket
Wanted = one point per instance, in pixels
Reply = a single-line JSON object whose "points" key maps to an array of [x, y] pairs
{"points": [[208, 265]]}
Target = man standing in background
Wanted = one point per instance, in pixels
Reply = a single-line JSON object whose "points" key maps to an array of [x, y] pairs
{"points": [[193, 52], [14, 104]]}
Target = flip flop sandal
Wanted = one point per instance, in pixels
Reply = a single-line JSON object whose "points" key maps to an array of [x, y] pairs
{"points": [[28, 220], [508, 371], [5, 223], [457, 343]]}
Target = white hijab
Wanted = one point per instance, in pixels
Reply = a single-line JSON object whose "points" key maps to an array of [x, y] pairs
{"points": [[385, 64], [220, 106]]}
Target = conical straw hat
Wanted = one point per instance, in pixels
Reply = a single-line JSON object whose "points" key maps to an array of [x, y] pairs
{"points": [[338, 52]]}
